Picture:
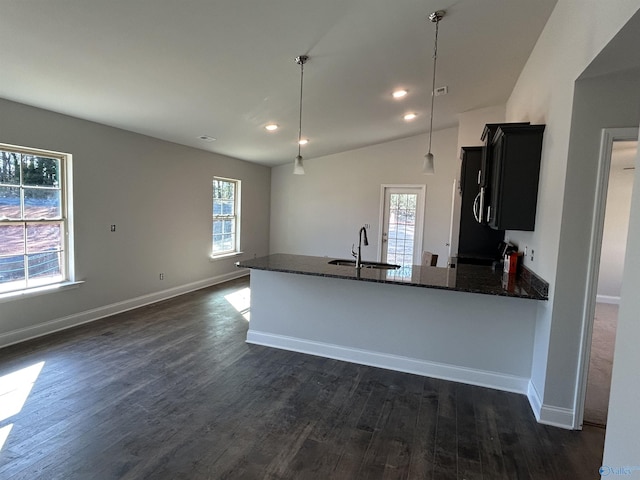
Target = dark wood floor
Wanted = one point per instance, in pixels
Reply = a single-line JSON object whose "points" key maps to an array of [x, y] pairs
{"points": [[172, 391]]}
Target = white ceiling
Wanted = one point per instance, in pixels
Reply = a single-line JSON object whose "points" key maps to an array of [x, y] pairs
{"points": [[178, 69]]}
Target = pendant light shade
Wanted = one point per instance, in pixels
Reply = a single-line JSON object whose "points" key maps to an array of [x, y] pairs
{"points": [[298, 167], [428, 167]]}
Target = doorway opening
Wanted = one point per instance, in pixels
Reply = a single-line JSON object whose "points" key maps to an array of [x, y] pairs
{"points": [[608, 244], [402, 212]]}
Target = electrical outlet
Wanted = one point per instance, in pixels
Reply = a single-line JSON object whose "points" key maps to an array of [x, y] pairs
{"points": [[367, 226], [531, 255], [162, 276], [113, 228]]}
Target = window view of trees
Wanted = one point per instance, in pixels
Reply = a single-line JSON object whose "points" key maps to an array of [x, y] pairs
{"points": [[31, 220], [225, 216], [36, 170]]}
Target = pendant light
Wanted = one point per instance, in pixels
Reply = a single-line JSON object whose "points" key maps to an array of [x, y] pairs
{"points": [[298, 167], [428, 167]]}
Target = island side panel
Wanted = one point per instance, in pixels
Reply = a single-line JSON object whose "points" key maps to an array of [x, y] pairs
{"points": [[471, 338]]}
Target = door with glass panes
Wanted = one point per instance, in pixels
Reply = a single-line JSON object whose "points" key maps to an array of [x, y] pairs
{"points": [[402, 220]]}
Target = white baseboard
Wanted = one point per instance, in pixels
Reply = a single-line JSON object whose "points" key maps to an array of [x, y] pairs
{"points": [[534, 400], [547, 414], [608, 299], [52, 326], [556, 416], [425, 368]]}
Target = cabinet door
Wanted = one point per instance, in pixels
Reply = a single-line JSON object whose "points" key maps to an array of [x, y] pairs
{"points": [[486, 166], [495, 193], [487, 169], [514, 184]]}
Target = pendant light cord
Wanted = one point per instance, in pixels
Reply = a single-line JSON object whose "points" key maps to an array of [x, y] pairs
{"points": [[433, 83], [302, 60]]}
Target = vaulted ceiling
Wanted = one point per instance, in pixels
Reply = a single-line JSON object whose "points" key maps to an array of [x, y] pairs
{"points": [[179, 69]]}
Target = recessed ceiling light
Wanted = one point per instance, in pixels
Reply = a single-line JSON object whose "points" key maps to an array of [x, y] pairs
{"points": [[207, 138], [410, 116], [271, 127], [399, 93], [303, 141]]}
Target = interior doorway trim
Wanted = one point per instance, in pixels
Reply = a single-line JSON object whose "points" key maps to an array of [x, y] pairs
{"points": [[609, 135]]}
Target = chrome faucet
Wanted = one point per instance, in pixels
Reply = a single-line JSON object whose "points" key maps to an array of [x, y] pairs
{"points": [[358, 255]]}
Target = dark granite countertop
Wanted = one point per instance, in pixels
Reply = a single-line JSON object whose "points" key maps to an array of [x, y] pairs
{"points": [[463, 278]]}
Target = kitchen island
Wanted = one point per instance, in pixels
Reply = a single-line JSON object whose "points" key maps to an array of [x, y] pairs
{"points": [[462, 278], [467, 324]]}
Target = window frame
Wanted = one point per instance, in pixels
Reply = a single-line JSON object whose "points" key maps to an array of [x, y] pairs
{"points": [[65, 220], [236, 217]]}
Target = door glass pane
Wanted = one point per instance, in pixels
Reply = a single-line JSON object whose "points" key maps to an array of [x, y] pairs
{"points": [[402, 221]]}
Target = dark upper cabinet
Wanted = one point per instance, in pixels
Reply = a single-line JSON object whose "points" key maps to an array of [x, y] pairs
{"points": [[486, 169], [488, 133], [513, 176], [476, 242]]}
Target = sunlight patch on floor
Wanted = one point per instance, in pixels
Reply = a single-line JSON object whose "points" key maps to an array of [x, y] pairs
{"points": [[4, 434], [15, 388], [241, 301]]}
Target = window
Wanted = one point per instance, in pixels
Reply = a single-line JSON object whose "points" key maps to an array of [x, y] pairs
{"points": [[34, 236], [226, 216]]}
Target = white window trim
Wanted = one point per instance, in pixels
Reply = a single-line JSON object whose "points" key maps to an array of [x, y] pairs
{"points": [[36, 291], [224, 256], [238, 196], [66, 192]]}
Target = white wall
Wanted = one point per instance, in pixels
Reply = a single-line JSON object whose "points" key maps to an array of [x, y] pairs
{"points": [[575, 33], [321, 212], [158, 194], [471, 124], [622, 443], [601, 102], [616, 225]]}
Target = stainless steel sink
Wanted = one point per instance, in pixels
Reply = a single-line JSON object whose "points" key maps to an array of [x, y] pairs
{"points": [[352, 263]]}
